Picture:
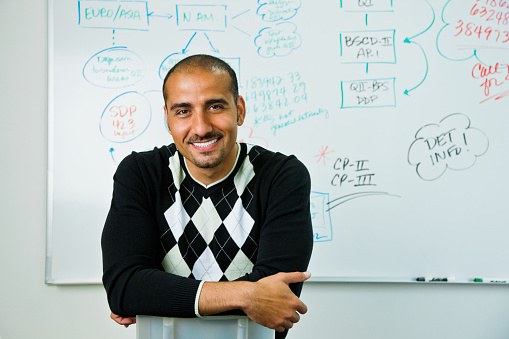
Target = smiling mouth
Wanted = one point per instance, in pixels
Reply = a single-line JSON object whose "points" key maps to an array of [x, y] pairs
{"points": [[206, 144]]}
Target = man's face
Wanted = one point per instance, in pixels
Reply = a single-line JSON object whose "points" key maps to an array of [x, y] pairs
{"points": [[202, 117]]}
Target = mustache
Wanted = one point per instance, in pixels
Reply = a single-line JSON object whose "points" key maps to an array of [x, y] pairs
{"points": [[208, 136]]}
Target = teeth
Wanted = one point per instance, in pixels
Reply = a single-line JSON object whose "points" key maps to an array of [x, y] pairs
{"points": [[204, 144]]}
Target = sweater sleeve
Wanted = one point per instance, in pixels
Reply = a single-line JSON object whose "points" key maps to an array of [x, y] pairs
{"points": [[286, 237], [134, 280]]}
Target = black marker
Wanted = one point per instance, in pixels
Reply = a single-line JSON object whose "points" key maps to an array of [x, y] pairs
{"points": [[428, 279]]}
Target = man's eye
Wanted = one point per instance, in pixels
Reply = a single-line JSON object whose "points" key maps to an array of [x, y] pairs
{"points": [[214, 107], [181, 112]]}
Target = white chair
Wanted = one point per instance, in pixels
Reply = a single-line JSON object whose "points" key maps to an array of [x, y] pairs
{"points": [[220, 327]]}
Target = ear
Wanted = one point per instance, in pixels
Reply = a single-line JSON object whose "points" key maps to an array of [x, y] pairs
{"points": [[241, 110], [166, 118]]}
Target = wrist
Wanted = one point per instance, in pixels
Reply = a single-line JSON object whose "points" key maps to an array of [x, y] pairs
{"points": [[218, 297], [245, 294]]}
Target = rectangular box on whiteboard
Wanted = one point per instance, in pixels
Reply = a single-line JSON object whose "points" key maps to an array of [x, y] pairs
{"points": [[368, 47], [367, 5], [115, 15], [368, 93], [201, 17]]}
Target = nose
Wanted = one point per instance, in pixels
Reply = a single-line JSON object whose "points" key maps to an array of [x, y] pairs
{"points": [[201, 124]]}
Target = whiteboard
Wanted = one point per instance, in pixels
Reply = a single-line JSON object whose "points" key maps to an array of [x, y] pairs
{"points": [[397, 108]]}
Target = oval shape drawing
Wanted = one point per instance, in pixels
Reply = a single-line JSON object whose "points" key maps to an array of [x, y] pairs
{"points": [[115, 67], [170, 61], [126, 117]]}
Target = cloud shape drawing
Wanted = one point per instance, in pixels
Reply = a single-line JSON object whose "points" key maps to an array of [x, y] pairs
{"points": [[471, 29], [279, 40], [278, 10], [452, 143]]}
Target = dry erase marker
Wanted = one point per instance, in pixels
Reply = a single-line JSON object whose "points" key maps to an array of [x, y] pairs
{"points": [[491, 280], [436, 279], [446, 279]]}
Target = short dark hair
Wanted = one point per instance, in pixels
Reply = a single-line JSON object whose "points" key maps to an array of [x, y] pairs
{"points": [[205, 62]]}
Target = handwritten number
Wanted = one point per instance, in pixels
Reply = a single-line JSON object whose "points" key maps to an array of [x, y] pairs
{"points": [[507, 36], [488, 31], [460, 26]]}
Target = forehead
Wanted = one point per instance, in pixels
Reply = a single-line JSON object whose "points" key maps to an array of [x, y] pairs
{"points": [[196, 83]]}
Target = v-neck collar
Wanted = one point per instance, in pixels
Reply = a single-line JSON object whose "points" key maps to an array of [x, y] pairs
{"points": [[215, 182]]}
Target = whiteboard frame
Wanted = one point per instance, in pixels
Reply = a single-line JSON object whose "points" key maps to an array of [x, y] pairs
{"points": [[49, 274], [49, 204]]}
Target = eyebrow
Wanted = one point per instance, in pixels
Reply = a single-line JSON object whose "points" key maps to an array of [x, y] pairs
{"points": [[180, 105], [207, 103], [216, 101]]}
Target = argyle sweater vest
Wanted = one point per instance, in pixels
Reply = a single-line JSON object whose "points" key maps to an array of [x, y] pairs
{"points": [[254, 223], [211, 235]]}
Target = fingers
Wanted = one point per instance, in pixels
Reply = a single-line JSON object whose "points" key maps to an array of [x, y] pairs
{"points": [[123, 321], [288, 323], [295, 318], [286, 326], [302, 308], [280, 328], [273, 304], [127, 321], [296, 277]]}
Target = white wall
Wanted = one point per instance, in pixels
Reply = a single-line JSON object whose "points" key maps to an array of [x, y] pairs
{"points": [[31, 309]]}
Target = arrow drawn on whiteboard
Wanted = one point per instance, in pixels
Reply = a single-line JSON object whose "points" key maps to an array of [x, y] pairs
{"points": [[407, 91], [210, 43], [185, 48], [215, 50], [111, 153], [166, 16], [348, 197], [407, 40]]}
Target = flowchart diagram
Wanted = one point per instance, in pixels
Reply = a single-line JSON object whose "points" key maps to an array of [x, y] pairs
{"points": [[274, 100], [380, 99]]}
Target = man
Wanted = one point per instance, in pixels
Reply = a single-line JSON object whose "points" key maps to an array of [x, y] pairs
{"points": [[207, 225]]}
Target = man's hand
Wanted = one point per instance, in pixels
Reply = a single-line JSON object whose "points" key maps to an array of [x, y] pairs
{"points": [[123, 321], [269, 302], [272, 304]]}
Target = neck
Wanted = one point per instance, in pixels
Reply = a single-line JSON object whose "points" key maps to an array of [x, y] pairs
{"points": [[209, 176]]}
